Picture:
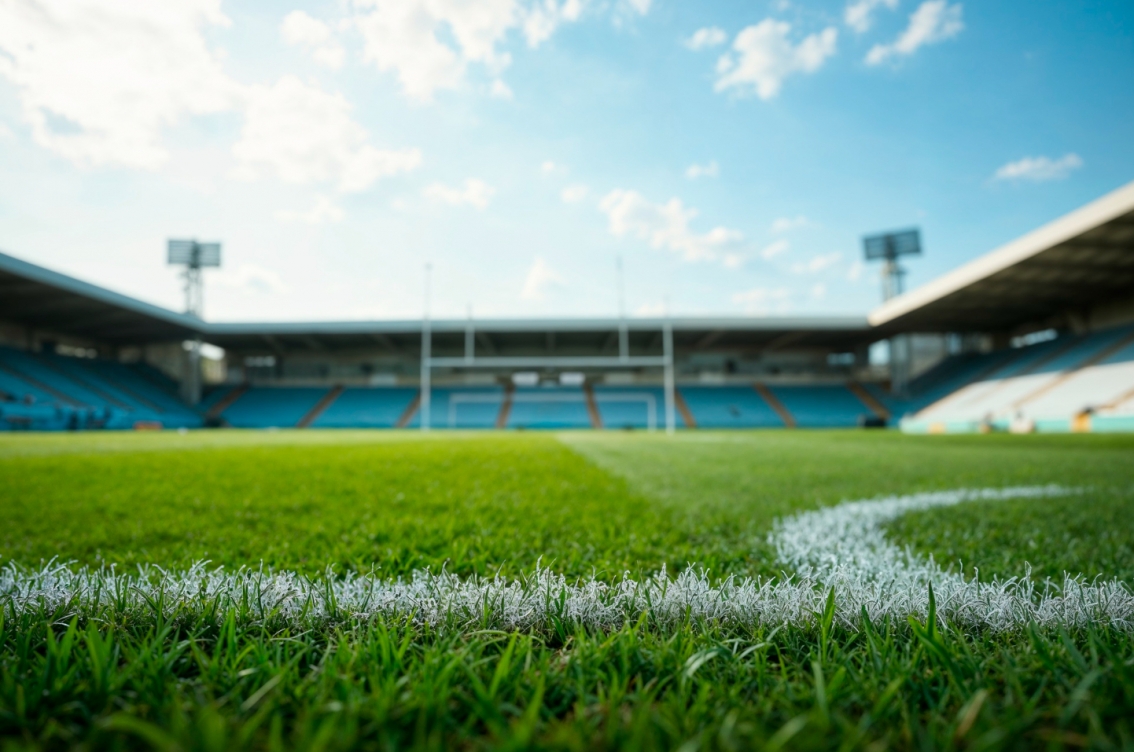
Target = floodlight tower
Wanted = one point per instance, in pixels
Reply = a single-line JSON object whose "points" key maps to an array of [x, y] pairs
{"points": [[889, 247], [194, 257]]}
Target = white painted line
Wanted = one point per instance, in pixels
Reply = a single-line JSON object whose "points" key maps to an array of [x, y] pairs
{"points": [[841, 548]]}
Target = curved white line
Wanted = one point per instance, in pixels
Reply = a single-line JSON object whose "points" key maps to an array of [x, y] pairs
{"points": [[847, 541], [840, 549]]}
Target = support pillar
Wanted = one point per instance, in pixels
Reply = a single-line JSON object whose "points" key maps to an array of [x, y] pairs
{"points": [[670, 402]]}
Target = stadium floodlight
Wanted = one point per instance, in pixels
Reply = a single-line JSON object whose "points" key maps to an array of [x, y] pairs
{"points": [[891, 245], [193, 256], [888, 247]]}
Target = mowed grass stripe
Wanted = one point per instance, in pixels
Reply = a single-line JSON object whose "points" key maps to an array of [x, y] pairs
{"points": [[497, 504]]}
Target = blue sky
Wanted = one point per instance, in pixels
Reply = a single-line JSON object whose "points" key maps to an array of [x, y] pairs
{"points": [[731, 153]]}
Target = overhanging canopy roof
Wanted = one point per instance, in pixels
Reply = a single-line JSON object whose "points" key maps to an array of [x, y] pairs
{"points": [[545, 336], [1078, 261], [42, 299]]}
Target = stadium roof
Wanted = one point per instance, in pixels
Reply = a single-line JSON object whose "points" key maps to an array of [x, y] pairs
{"points": [[42, 299], [1079, 261], [529, 336]]}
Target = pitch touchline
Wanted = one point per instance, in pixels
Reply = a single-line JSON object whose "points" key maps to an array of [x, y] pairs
{"points": [[847, 540], [841, 549]]}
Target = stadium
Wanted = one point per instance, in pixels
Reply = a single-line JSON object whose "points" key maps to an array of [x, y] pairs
{"points": [[1034, 336], [753, 510], [505, 583]]}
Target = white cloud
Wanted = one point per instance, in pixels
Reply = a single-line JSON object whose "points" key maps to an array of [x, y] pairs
{"points": [[301, 134], [302, 30], [764, 299], [429, 44], [251, 278], [475, 193], [710, 170], [933, 21], [324, 210], [818, 263], [402, 37], [664, 226], [641, 7], [541, 278], [543, 18], [763, 57], [855, 270], [575, 193], [819, 291], [733, 260], [775, 249], [787, 224], [98, 82], [858, 14], [549, 168], [1039, 169], [710, 36], [500, 90]]}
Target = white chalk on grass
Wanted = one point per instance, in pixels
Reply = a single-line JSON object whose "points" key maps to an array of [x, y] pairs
{"points": [[841, 549]]}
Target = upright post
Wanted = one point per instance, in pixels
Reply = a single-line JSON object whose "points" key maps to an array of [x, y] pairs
{"points": [[426, 366], [194, 306], [667, 343], [470, 339], [893, 277], [191, 384], [623, 331]]}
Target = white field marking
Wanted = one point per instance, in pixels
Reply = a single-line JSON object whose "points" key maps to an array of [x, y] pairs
{"points": [[840, 549], [847, 541]]}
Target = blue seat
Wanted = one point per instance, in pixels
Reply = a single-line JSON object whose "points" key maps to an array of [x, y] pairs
{"points": [[549, 407], [272, 407], [366, 407], [729, 407], [821, 406]]}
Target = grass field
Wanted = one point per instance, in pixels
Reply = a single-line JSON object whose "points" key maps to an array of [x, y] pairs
{"points": [[608, 506]]}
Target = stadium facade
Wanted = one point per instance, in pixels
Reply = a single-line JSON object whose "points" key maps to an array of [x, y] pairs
{"points": [[1037, 335]]}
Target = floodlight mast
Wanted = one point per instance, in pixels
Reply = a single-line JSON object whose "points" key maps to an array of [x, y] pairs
{"points": [[194, 257], [425, 393], [889, 247]]}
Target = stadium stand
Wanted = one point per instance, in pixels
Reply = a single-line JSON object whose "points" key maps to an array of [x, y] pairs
{"points": [[550, 406], [1047, 384], [630, 406], [461, 407], [1036, 335], [367, 407], [272, 407], [729, 407], [320, 407], [16, 416], [95, 392], [821, 406]]}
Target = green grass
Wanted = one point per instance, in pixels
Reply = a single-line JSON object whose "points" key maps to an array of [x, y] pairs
{"points": [[1093, 536], [474, 505], [584, 502]]}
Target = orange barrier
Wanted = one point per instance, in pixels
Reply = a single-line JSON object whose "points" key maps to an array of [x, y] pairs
{"points": [[774, 403], [320, 406]]}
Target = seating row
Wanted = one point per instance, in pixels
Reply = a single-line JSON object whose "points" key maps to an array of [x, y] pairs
{"points": [[552, 407], [1047, 384], [51, 392]]}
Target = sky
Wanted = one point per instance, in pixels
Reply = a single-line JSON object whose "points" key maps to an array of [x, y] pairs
{"points": [[730, 155]]}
